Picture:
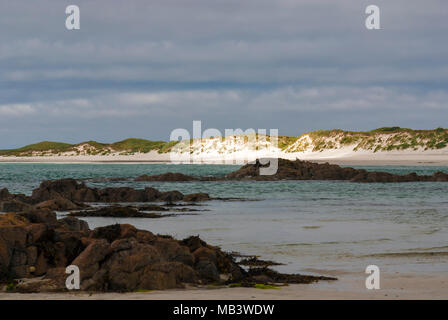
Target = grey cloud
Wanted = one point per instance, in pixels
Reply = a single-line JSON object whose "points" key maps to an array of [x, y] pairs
{"points": [[150, 66]]}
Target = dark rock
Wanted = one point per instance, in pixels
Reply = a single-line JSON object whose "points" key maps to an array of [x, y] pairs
{"points": [[89, 260], [58, 204], [116, 212], [71, 190], [4, 194], [305, 170], [151, 194], [254, 275], [110, 233], [39, 216], [111, 258], [54, 189], [14, 206], [195, 197], [74, 224], [193, 243], [255, 262], [171, 196], [207, 270], [169, 176]]}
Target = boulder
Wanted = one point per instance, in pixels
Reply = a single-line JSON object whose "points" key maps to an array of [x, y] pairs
{"points": [[53, 189], [89, 260], [169, 176], [305, 170], [151, 194], [171, 196], [74, 224], [13, 206], [35, 250], [4, 194], [39, 216], [195, 197], [58, 204]]}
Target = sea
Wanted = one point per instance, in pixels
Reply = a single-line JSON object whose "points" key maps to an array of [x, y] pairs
{"points": [[312, 227]]}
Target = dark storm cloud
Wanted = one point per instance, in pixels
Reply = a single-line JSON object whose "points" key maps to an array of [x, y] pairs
{"points": [[143, 68]]}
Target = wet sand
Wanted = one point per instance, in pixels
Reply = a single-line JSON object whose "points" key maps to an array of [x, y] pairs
{"points": [[349, 286]]}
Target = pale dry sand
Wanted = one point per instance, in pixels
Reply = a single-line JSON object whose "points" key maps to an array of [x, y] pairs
{"points": [[342, 156], [349, 286]]}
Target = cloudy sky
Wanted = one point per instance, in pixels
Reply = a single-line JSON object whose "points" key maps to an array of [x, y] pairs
{"points": [[141, 68]]}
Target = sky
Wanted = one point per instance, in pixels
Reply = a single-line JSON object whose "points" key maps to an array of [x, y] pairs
{"points": [[142, 68]]}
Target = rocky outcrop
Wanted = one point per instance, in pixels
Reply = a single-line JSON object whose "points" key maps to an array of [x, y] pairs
{"points": [[14, 202], [196, 197], [305, 170], [35, 249], [59, 204], [169, 176], [117, 212], [33, 242], [70, 189]]}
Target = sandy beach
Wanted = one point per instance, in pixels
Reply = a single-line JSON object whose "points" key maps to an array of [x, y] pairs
{"points": [[349, 286], [343, 156], [408, 240]]}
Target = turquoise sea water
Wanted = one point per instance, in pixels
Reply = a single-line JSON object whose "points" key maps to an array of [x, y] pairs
{"points": [[308, 225]]}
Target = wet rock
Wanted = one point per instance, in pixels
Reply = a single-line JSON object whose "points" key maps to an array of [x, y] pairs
{"points": [[169, 176], [116, 212], [14, 206], [305, 170], [110, 258], [151, 194], [110, 233], [255, 262], [36, 232], [71, 190], [255, 275], [74, 224], [207, 270], [129, 231], [167, 275], [39, 216], [4, 194], [195, 197], [171, 196], [59, 204], [194, 243], [89, 260], [54, 189], [205, 253], [36, 285]]}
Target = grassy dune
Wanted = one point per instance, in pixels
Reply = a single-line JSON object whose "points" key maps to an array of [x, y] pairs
{"points": [[382, 139]]}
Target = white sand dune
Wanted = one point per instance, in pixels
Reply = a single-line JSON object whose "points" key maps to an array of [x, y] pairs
{"points": [[343, 156]]}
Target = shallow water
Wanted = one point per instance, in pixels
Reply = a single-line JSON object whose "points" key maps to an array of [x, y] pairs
{"points": [[326, 225]]}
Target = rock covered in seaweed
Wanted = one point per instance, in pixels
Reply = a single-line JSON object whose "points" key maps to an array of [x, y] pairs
{"points": [[305, 170], [35, 249], [169, 176]]}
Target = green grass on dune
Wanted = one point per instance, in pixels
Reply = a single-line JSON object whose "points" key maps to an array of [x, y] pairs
{"points": [[381, 139], [131, 145], [49, 146], [137, 145]]}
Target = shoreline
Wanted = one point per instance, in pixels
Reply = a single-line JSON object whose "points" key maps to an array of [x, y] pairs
{"points": [[348, 286], [358, 160]]}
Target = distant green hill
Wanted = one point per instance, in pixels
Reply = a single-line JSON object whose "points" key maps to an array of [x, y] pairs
{"points": [[128, 146], [382, 139]]}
